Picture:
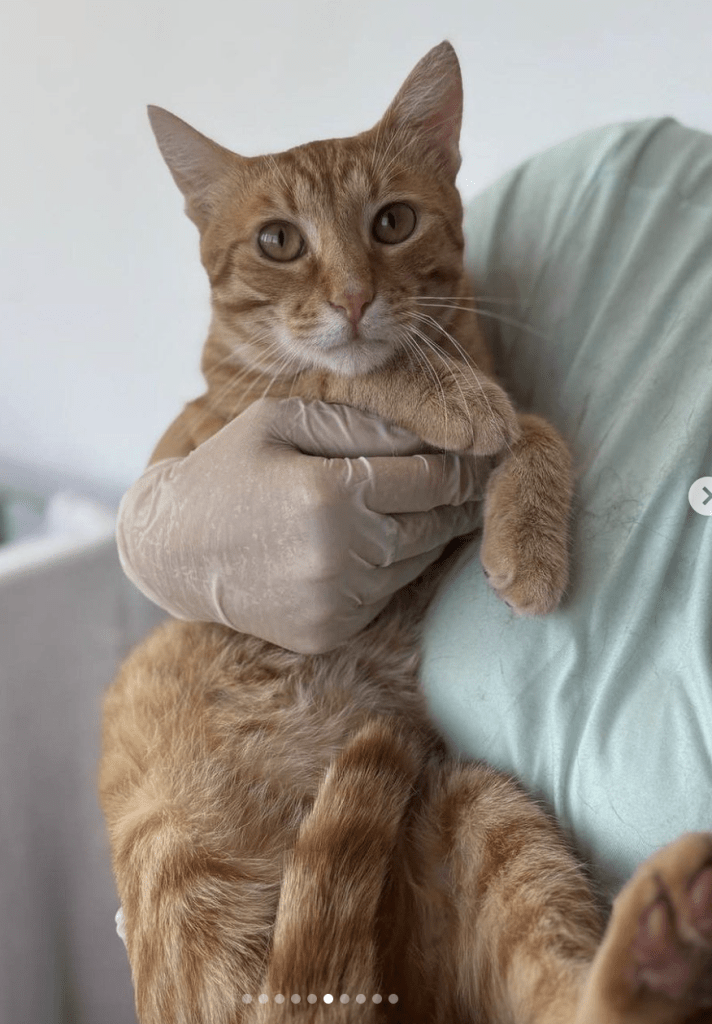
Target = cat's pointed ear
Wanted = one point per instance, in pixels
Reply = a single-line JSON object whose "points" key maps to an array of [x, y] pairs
{"points": [[430, 100], [195, 161]]}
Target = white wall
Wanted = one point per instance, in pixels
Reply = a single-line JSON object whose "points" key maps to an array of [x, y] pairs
{"points": [[103, 306]]}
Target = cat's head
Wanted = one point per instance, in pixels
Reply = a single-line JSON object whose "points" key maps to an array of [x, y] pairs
{"points": [[317, 255]]}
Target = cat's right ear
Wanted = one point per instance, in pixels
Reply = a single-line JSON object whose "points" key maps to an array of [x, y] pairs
{"points": [[195, 161]]}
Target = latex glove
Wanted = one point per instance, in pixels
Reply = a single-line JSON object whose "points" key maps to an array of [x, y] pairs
{"points": [[279, 526]]}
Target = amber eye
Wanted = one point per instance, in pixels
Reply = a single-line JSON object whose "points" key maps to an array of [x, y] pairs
{"points": [[281, 241], [394, 223]]}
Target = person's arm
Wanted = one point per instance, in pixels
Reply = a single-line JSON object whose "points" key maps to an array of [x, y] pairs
{"points": [[296, 522]]}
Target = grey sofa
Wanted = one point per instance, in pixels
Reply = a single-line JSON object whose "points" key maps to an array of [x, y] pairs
{"points": [[67, 617]]}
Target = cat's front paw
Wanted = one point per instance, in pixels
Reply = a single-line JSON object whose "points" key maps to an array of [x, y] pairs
{"points": [[494, 420], [528, 574], [473, 416], [525, 541]]}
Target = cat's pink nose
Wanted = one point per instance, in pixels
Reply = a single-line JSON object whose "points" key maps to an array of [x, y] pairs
{"points": [[353, 303]]}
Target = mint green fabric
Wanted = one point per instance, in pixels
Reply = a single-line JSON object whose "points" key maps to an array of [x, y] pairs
{"points": [[598, 256]]}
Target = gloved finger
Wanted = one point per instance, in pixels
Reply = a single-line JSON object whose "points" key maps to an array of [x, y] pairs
{"points": [[418, 483], [336, 631], [374, 589], [365, 447], [369, 595], [335, 431], [417, 533], [382, 540]]}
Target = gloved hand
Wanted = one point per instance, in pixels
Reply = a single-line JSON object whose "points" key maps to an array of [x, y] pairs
{"points": [[296, 522]]}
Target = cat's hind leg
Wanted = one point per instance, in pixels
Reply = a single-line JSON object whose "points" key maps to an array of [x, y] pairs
{"points": [[526, 520], [527, 924], [655, 963]]}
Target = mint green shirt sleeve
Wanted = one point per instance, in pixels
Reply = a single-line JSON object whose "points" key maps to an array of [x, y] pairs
{"points": [[594, 261]]}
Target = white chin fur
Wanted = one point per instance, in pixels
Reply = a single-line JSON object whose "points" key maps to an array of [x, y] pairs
{"points": [[352, 358]]}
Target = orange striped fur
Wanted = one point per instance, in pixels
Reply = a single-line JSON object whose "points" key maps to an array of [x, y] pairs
{"points": [[287, 825]]}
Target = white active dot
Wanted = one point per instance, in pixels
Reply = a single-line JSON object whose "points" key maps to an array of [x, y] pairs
{"points": [[328, 999]]}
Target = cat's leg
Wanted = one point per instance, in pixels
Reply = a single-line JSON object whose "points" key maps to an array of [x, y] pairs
{"points": [[655, 963], [457, 409], [198, 921], [526, 520], [526, 923], [196, 854]]}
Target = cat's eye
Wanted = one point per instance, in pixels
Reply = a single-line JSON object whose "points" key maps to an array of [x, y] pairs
{"points": [[281, 241], [394, 223]]}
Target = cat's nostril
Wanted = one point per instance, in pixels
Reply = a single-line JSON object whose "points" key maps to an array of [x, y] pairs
{"points": [[353, 304]]}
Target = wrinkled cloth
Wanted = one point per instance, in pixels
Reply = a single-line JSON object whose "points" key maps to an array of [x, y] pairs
{"points": [[597, 259], [295, 523]]}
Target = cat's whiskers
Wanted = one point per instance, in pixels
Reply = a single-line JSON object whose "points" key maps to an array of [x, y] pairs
{"points": [[415, 335], [383, 168], [465, 298], [381, 154], [283, 365], [277, 171], [234, 383], [422, 361], [412, 349], [470, 365], [453, 363], [447, 360], [247, 368], [490, 314]]}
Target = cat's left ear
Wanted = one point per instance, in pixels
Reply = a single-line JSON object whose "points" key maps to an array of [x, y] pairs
{"points": [[430, 101]]}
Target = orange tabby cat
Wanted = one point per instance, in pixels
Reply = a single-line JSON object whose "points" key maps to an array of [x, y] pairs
{"points": [[289, 839]]}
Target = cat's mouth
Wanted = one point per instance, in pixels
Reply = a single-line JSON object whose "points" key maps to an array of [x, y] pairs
{"points": [[350, 356]]}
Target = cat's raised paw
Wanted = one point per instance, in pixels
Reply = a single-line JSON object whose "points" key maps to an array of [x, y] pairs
{"points": [[672, 948], [657, 955]]}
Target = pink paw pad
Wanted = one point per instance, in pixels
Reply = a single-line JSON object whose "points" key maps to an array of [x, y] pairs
{"points": [[673, 946], [700, 896], [662, 965]]}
